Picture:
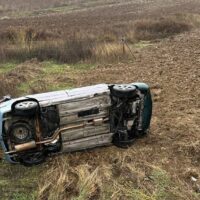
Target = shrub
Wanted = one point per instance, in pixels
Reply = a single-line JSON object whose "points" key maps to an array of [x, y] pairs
{"points": [[71, 51], [9, 35], [43, 35], [77, 49], [154, 29]]}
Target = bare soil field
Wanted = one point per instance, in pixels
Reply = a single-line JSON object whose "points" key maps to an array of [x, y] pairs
{"points": [[117, 15], [163, 165]]}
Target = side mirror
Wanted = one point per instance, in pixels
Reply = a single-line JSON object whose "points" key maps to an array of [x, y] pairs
{"points": [[5, 98]]}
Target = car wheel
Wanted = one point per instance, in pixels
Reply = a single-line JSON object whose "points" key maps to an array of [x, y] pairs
{"points": [[32, 158], [21, 132], [25, 108], [122, 139], [141, 134], [124, 90], [123, 144]]}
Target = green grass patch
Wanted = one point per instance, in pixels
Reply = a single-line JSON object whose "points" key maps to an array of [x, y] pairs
{"points": [[162, 183], [6, 67], [24, 196], [24, 87], [52, 67], [3, 182], [53, 76], [55, 67], [161, 187], [60, 86], [18, 182], [82, 66]]}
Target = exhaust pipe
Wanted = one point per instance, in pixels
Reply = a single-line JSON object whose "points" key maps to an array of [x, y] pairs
{"points": [[25, 146]]}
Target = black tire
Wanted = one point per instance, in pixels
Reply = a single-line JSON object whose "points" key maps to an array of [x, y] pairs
{"points": [[123, 144], [25, 107], [32, 158], [141, 134], [21, 132], [124, 90], [122, 139]]}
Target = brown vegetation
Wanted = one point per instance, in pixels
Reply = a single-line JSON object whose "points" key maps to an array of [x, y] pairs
{"points": [[87, 35], [29, 43], [7, 87], [155, 29]]}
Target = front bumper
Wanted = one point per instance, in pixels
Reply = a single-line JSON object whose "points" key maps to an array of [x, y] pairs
{"points": [[5, 108]]}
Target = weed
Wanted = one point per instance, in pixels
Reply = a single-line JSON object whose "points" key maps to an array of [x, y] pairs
{"points": [[6, 67], [24, 196]]}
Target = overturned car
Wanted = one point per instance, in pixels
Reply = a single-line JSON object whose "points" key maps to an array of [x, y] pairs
{"points": [[35, 126]]}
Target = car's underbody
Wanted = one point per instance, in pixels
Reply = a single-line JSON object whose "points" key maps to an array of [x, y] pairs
{"points": [[65, 121]]}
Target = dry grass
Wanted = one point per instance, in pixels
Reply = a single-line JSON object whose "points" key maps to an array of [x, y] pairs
{"points": [[68, 52], [79, 182], [101, 45], [72, 50], [118, 175], [110, 52], [7, 86]]}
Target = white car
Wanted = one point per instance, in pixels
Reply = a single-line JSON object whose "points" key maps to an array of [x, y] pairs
{"points": [[35, 126]]}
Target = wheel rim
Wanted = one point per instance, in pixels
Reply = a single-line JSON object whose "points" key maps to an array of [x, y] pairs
{"points": [[124, 87], [21, 133], [26, 105]]}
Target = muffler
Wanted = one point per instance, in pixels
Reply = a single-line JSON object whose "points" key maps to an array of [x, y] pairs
{"points": [[25, 146]]}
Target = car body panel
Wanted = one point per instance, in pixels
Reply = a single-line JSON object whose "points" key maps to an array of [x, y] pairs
{"points": [[58, 97]]}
